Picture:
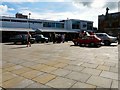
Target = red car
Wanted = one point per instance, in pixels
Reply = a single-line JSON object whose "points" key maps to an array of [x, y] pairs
{"points": [[91, 40]]}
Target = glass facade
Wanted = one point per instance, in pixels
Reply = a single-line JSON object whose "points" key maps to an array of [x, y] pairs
{"points": [[54, 25]]}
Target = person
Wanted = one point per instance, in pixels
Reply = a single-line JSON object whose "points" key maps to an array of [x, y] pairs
{"points": [[63, 38], [28, 39], [54, 37], [119, 38]]}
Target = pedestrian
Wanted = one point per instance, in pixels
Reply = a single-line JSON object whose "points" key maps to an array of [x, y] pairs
{"points": [[63, 38], [28, 39], [119, 38], [54, 37]]}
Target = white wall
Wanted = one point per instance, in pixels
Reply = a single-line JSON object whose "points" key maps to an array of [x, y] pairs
{"points": [[20, 25], [68, 24]]}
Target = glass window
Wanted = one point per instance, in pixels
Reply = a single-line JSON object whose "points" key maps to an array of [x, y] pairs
{"points": [[89, 26], [59, 25], [75, 24]]}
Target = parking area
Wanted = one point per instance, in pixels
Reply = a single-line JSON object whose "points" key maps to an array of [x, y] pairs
{"points": [[61, 65]]}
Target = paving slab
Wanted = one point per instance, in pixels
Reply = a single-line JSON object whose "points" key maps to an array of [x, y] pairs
{"points": [[60, 65], [48, 69], [61, 72], [6, 65], [60, 82], [38, 66], [7, 76], [89, 65], [21, 70], [103, 67], [16, 67], [114, 69], [18, 82], [44, 78], [31, 74], [78, 76], [83, 85], [110, 64], [28, 64], [100, 81], [74, 68], [52, 63], [114, 84], [37, 85], [77, 62], [91, 71], [110, 75]]}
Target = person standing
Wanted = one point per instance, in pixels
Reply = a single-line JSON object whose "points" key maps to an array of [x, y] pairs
{"points": [[63, 38], [28, 39]]}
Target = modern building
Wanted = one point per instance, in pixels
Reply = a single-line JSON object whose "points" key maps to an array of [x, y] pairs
{"points": [[109, 23], [22, 23]]}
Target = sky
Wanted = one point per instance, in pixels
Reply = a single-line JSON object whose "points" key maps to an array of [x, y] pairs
{"points": [[59, 9]]}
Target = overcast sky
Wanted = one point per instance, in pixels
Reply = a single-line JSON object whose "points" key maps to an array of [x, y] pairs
{"points": [[59, 9]]}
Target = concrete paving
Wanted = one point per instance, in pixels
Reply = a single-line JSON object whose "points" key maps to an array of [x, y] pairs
{"points": [[61, 65]]}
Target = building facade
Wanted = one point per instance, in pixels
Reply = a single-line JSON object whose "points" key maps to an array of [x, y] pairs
{"points": [[69, 24], [12, 26], [109, 23]]}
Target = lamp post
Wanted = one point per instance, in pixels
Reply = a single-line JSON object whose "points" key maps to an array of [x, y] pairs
{"points": [[29, 19]]}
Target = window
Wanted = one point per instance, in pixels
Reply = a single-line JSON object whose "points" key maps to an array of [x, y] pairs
{"points": [[5, 19], [75, 24], [89, 26], [54, 25], [48, 24], [59, 25]]}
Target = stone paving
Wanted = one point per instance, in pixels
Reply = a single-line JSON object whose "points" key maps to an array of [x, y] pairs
{"points": [[58, 66]]}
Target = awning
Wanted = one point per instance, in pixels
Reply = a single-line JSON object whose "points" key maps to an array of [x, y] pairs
{"points": [[17, 29], [56, 30], [39, 30]]}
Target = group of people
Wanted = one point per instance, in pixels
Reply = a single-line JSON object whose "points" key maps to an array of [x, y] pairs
{"points": [[58, 38]]}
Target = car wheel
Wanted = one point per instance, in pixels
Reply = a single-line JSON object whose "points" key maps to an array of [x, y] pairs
{"points": [[107, 43], [32, 42], [15, 42], [75, 43], [92, 44], [37, 41]]}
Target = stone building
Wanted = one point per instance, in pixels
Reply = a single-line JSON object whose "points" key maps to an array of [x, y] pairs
{"points": [[109, 23]]}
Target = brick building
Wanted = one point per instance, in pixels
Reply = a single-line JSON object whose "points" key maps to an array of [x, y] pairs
{"points": [[109, 23], [19, 15]]}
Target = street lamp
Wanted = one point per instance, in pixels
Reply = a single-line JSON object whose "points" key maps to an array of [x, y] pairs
{"points": [[29, 19]]}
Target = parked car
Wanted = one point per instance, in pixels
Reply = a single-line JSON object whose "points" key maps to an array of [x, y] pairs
{"points": [[40, 38], [106, 39], [22, 38], [91, 40]]}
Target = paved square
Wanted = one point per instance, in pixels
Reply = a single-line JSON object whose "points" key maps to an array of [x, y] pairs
{"points": [[49, 65]]}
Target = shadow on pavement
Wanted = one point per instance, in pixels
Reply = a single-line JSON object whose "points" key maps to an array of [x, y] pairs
{"points": [[84, 46], [14, 44], [19, 47]]}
